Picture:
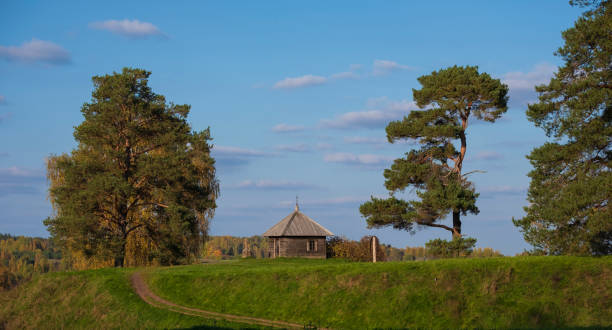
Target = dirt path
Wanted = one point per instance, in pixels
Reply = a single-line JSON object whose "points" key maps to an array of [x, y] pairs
{"points": [[141, 288]]}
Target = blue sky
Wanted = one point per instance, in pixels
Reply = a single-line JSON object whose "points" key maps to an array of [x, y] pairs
{"points": [[297, 95]]}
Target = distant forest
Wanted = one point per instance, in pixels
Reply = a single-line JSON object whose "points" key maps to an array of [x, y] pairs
{"points": [[22, 256]]}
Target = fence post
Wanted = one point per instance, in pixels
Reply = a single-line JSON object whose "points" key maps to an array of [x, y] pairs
{"points": [[374, 239]]}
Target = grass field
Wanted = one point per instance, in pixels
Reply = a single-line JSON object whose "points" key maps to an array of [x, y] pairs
{"points": [[487, 293], [95, 299], [516, 292]]}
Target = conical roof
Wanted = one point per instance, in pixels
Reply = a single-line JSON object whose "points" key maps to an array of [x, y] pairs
{"points": [[297, 224]]}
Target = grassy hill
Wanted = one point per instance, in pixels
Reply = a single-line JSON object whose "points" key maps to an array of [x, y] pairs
{"points": [[98, 299], [491, 292], [487, 293]]}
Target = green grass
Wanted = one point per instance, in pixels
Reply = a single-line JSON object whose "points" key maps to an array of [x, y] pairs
{"points": [[486, 293], [89, 299], [520, 292]]}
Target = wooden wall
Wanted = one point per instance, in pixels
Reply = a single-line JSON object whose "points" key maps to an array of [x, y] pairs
{"points": [[290, 247]]}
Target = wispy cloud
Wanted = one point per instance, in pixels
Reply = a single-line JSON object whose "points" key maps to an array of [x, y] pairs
{"points": [[540, 74], [16, 180], [373, 141], [383, 67], [293, 147], [36, 51], [355, 67], [365, 140], [492, 191], [522, 84], [303, 81], [376, 118], [516, 143], [273, 185], [333, 201], [237, 151], [314, 80], [228, 157], [486, 155], [286, 128], [369, 160], [128, 28]]}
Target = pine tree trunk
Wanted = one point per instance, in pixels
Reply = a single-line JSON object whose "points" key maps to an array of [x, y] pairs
{"points": [[456, 225]]}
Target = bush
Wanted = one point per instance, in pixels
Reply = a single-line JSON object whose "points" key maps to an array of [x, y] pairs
{"points": [[7, 279], [341, 247], [458, 247]]}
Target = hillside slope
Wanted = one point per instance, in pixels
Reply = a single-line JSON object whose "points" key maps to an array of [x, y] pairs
{"points": [[495, 292], [98, 299], [492, 292]]}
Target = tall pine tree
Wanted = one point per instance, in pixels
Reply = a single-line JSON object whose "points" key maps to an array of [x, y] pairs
{"points": [[448, 99], [571, 182], [138, 178]]}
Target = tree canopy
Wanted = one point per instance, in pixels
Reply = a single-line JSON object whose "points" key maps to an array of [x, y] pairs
{"points": [[448, 99], [140, 187], [571, 182]]}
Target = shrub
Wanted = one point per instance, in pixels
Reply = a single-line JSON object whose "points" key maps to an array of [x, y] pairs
{"points": [[341, 247], [458, 247]]}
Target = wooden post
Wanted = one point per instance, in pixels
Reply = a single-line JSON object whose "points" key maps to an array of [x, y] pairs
{"points": [[374, 238]]}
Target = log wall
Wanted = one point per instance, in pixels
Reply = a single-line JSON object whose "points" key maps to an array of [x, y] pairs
{"points": [[290, 247]]}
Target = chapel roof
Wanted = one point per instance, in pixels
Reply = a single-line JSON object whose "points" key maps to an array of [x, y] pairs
{"points": [[297, 224]]}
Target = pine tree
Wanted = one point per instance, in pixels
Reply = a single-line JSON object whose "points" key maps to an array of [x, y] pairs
{"points": [[448, 99], [571, 182], [138, 169]]}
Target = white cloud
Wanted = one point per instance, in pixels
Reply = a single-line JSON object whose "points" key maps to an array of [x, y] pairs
{"points": [[383, 67], [364, 140], [237, 151], [15, 180], [36, 51], [293, 148], [541, 74], [303, 81], [522, 84], [353, 159], [286, 128], [384, 103], [355, 67], [273, 185], [312, 80], [490, 191], [487, 155], [391, 110], [327, 202], [15, 171], [128, 28], [234, 157], [369, 119]]}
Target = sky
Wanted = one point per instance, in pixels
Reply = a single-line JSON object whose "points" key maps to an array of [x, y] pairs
{"points": [[296, 94]]}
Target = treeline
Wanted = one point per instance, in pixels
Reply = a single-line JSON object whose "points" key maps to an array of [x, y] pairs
{"points": [[229, 247], [22, 256]]}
